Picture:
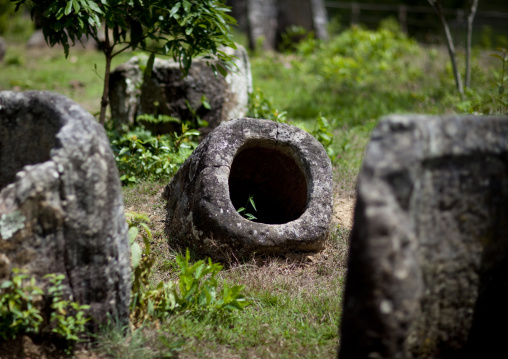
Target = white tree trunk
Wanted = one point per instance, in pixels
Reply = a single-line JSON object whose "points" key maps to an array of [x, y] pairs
{"points": [[436, 4], [473, 6]]}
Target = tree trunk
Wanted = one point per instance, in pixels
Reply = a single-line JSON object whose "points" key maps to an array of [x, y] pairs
{"points": [[108, 51], [473, 6], [105, 92], [449, 42]]}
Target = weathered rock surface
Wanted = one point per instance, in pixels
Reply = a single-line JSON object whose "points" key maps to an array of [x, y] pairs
{"points": [[284, 168], [428, 265], [167, 92], [61, 206], [265, 21]]}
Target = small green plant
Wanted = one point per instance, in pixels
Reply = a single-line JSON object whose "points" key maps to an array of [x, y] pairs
{"points": [[243, 210], [68, 318], [323, 134], [198, 289], [196, 120], [142, 266], [502, 99], [159, 119], [145, 303], [141, 155], [261, 107], [14, 60], [196, 292], [291, 36], [18, 311]]}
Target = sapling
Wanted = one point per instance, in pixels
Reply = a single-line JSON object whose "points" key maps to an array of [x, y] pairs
{"points": [[243, 210], [182, 29]]}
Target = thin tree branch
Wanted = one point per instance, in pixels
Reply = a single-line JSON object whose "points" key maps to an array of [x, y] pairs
{"points": [[121, 50], [107, 49], [436, 5], [473, 6]]}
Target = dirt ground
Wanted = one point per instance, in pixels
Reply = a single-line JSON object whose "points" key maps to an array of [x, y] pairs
{"points": [[343, 210]]}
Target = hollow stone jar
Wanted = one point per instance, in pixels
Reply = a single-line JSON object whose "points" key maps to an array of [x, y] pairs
{"points": [[61, 207], [282, 168]]}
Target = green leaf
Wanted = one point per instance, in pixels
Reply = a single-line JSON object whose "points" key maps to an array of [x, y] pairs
{"points": [[199, 271], [6, 284], [214, 69], [192, 133], [94, 7], [205, 103], [76, 6], [68, 8], [222, 70], [132, 234], [136, 254], [251, 200], [250, 216], [175, 9], [147, 230], [149, 66], [497, 56]]}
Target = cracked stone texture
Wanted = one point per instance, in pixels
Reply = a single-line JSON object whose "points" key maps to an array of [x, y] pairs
{"points": [[428, 265], [61, 206], [284, 168], [167, 92]]}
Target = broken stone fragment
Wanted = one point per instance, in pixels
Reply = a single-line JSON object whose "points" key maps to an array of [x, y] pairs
{"points": [[61, 206], [283, 168]]}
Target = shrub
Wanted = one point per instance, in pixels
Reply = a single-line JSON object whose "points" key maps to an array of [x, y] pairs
{"points": [[20, 300], [261, 107], [141, 155], [19, 297], [197, 292]]}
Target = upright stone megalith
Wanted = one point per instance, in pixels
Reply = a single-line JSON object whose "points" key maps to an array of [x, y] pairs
{"points": [[284, 169], [61, 206], [266, 21], [428, 265]]}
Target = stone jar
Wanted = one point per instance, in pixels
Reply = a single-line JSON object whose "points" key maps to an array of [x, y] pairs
{"points": [[428, 262], [167, 92], [285, 170], [61, 206]]}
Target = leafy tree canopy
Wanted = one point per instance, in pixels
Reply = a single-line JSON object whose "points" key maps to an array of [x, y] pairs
{"points": [[182, 29]]}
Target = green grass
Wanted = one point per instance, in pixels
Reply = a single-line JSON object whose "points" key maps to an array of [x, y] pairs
{"points": [[296, 300], [78, 77]]}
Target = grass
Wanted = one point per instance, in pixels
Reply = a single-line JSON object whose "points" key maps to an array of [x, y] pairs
{"points": [[296, 299], [78, 77]]}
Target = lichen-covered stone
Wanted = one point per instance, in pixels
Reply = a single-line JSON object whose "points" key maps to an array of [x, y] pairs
{"points": [[168, 92], [61, 207], [428, 265], [284, 168]]}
